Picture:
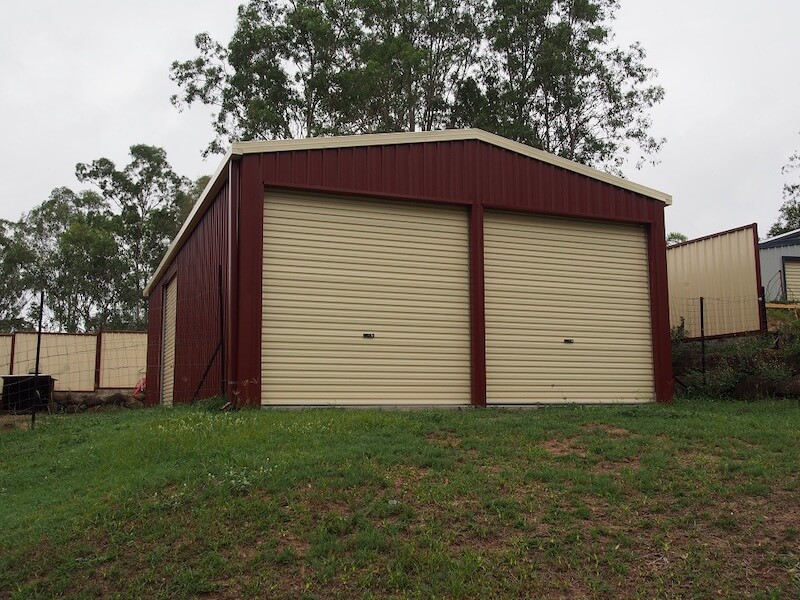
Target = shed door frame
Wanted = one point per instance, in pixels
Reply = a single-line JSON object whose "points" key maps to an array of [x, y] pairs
{"points": [[787, 260], [172, 281]]}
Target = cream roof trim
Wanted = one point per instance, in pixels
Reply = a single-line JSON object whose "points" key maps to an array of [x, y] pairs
{"points": [[382, 139]]}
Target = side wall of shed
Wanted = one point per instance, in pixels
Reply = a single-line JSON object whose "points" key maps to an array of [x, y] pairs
{"points": [[772, 270], [198, 351], [6, 346]]}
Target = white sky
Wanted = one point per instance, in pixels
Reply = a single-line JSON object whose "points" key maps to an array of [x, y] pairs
{"points": [[85, 79]]}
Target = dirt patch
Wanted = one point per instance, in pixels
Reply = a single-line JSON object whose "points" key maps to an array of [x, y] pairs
{"points": [[288, 539], [563, 447], [695, 458], [609, 466], [444, 438], [405, 478], [14, 422], [609, 430]]}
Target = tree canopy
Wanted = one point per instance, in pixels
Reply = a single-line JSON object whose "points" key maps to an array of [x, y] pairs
{"points": [[93, 250], [789, 215], [543, 72], [676, 237]]}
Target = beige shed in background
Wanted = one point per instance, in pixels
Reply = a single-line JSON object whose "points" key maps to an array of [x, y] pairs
{"points": [[791, 269], [724, 270]]}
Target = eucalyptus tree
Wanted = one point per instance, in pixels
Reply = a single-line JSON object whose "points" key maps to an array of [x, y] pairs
{"points": [[315, 67], [543, 72], [16, 260], [74, 257], [144, 197], [789, 215], [553, 78]]}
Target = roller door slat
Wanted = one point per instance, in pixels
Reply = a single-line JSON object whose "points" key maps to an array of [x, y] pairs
{"points": [[549, 280], [337, 268], [168, 361]]}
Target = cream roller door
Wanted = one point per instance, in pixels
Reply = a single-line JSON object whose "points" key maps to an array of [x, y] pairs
{"points": [[168, 359], [792, 270], [365, 302], [567, 311]]}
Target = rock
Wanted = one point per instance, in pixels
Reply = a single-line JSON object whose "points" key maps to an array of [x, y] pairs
{"points": [[91, 400], [134, 403], [61, 397], [118, 399], [789, 387], [753, 387]]}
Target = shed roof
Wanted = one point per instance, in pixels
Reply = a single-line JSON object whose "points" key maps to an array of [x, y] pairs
{"points": [[379, 139], [790, 238]]}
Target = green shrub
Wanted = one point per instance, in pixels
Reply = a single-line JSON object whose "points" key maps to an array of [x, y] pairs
{"points": [[719, 382]]}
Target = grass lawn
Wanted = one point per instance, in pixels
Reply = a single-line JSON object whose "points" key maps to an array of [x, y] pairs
{"points": [[696, 500]]}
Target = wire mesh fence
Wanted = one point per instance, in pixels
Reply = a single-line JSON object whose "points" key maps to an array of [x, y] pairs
{"points": [[704, 317], [78, 362], [186, 355]]}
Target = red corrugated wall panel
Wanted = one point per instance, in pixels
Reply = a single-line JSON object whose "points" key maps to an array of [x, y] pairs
{"points": [[198, 312], [458, 172]]}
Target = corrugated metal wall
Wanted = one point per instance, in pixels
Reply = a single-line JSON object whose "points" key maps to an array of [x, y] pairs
{"points": [[123, 359], [567, 311], [198, 309], [723, 270], [462, 172], [69, 359], [6, 342], [772, 270], [337, 269], [792, 279]]}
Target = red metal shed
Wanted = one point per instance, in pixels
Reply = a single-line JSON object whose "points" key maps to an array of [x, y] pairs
{"points": [[435, 268]]}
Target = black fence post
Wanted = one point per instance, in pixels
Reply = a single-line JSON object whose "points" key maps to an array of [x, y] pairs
{"points": [[762, 306], [36, 388], [703, 337]]}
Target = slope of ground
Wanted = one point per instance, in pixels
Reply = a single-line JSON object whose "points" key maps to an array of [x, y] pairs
{"points": [[701, 499]]}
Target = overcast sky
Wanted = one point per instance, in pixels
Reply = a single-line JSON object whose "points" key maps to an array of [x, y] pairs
{"points": [[85, 79]]}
